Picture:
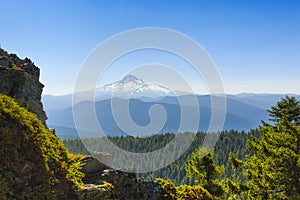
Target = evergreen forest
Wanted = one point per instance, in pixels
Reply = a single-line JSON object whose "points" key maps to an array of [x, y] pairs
{"points": [[261, 164]]}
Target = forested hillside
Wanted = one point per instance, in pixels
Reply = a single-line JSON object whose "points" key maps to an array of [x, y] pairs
{"points": [[261, 164], [230, 141]]}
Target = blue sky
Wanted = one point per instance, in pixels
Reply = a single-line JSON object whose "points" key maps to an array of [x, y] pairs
{"points": [[254, 43]]}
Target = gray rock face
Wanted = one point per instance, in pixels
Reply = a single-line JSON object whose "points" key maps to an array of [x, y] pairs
{"points": [[19, 79], [94, 192], [93, 168], [106, 183], [128, 186], [92, 165]]}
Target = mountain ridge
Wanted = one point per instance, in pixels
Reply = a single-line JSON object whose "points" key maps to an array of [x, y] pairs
{"points": [[139, 113], [244, 111]]}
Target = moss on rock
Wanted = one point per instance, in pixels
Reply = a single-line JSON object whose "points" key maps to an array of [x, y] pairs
{"points": [[34, 164]]}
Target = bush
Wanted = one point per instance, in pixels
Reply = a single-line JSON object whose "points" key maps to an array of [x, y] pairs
{"points": [[33, 161], [168, 188], [182, 192], [192, 192]]}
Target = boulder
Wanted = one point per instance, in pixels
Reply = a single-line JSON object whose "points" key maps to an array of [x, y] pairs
{"points": [[97, 162], [93, 167], [19, 79], [94, 192], [118, 184]]}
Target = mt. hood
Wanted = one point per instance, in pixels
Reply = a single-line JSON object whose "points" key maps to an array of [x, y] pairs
{"points": [[131, 86]]}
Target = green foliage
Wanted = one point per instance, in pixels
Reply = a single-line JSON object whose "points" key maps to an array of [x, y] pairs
{"points": [[269, 168], [168, 188], [236, 163], [107, 186], [5, 190], [288, 108], [273, 172], [201, 166], [14, 66], [33, 161], [192, 192], [36, 193], [73, 168], [182, 192], [229, 141], [233, 190]]}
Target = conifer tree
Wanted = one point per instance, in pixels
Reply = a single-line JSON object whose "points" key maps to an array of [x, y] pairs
{"points": [[273, 172], [202, 168], [289, 108]]}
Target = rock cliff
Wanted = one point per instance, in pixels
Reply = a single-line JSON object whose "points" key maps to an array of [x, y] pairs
{"points": [[34, 164], [102, 182], [19, 79]]}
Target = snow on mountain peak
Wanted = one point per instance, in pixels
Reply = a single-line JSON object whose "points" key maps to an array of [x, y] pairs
{"points": [[129, 78], [134, 87]]}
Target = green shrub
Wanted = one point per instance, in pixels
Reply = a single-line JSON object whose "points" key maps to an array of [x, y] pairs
{"points": [[182, 192], [33, 161], [168, 188], [192, 192], [14, 66], [5, 190]]}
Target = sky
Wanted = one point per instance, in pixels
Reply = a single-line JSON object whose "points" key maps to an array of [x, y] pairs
{"points": [[254, 44]]}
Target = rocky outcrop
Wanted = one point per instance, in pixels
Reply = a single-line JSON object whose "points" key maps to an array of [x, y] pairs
{"points": [[33, 162], [101, 183], [93, 168], [19, 79], [119, 184]]}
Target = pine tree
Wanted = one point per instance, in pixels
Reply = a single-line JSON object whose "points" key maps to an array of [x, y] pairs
{"points": [[273, 172], [289, 108], [202, 168]]}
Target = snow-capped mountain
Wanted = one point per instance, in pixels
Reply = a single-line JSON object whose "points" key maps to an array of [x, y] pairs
{"points": [[133, 87]]}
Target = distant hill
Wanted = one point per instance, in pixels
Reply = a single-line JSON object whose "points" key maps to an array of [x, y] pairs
{"points": [[244, 111], [239, 116], [264, 101], [63, 119]]}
